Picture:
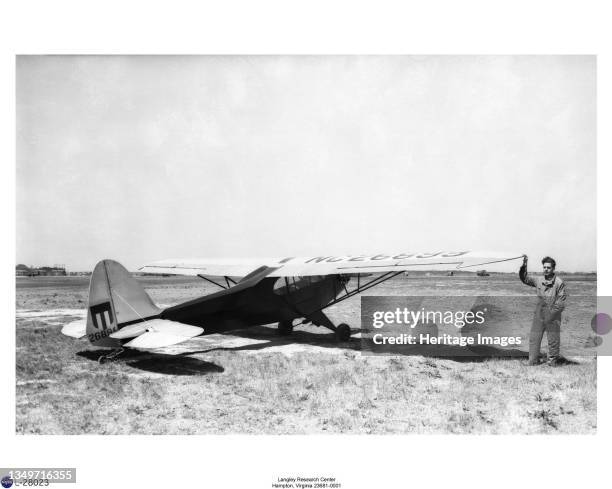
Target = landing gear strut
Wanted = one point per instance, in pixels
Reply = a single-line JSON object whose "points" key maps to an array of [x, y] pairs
{"points": [[112, 356], [342, 331], [285, 328]]}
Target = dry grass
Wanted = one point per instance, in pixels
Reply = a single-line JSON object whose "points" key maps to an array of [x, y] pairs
{"points": [[232, 392], [61, 389]]}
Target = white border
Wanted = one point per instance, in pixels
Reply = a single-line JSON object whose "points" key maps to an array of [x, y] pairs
{"points": [[471, 27]]}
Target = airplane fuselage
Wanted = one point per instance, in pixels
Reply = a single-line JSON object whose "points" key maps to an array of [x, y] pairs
{"points": [[270, 301]]}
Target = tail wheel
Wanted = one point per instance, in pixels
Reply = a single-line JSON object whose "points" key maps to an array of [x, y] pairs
{"points": [[110, 357], [285, 328], [343, 332]]}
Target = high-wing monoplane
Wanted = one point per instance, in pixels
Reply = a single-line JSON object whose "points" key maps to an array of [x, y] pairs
{"points": [[288, 291]]}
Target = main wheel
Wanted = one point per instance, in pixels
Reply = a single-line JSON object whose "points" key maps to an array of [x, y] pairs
{"points": [[285, 328], [343, 332]]}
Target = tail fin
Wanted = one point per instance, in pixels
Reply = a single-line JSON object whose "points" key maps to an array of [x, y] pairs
{"points": [[116, 300]]}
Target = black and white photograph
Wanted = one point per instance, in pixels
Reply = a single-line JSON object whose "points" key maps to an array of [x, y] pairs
{"points": [[306, 248], [206, 227]]}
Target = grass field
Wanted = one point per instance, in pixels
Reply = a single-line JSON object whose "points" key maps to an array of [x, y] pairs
{"points": [[256, 382]]}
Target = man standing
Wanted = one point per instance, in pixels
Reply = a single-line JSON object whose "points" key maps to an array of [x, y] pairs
{"points": [[547, 317]]}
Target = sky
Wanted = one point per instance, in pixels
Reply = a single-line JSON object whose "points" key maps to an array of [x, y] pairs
{"points": [[141, 158]]}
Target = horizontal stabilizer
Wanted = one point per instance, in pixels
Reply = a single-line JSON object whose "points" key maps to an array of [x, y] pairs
{"points": [[157, 333], [131, 331], [75, 329]]}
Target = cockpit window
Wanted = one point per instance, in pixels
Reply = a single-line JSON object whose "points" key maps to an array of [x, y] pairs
{"points": [[288, 285]]}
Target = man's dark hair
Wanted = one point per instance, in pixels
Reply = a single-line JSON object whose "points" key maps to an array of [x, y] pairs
{"points": [[548, 259]]}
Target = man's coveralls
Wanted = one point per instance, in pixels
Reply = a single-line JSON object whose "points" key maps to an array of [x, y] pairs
{"points": [[547, 316]]}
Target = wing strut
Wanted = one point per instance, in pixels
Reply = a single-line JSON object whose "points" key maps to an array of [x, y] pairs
{"points": [[227, 281], [350, 293], [213, 282], [362, 287]]}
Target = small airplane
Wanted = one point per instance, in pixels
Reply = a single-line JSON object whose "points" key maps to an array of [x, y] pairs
{"points": [[278, 290]]}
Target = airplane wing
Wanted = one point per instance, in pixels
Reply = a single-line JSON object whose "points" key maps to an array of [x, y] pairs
{"points": [[330, 265]]}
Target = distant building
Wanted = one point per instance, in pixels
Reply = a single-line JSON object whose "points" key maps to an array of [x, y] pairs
{"points": [[55, 270], [22, 270]]}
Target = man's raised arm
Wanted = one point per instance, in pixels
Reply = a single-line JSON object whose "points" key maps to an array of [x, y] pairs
{"points": [[526, 279]]}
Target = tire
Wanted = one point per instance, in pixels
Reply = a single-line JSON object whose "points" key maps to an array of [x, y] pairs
{"points": [[285, 328], [343, 332]]}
